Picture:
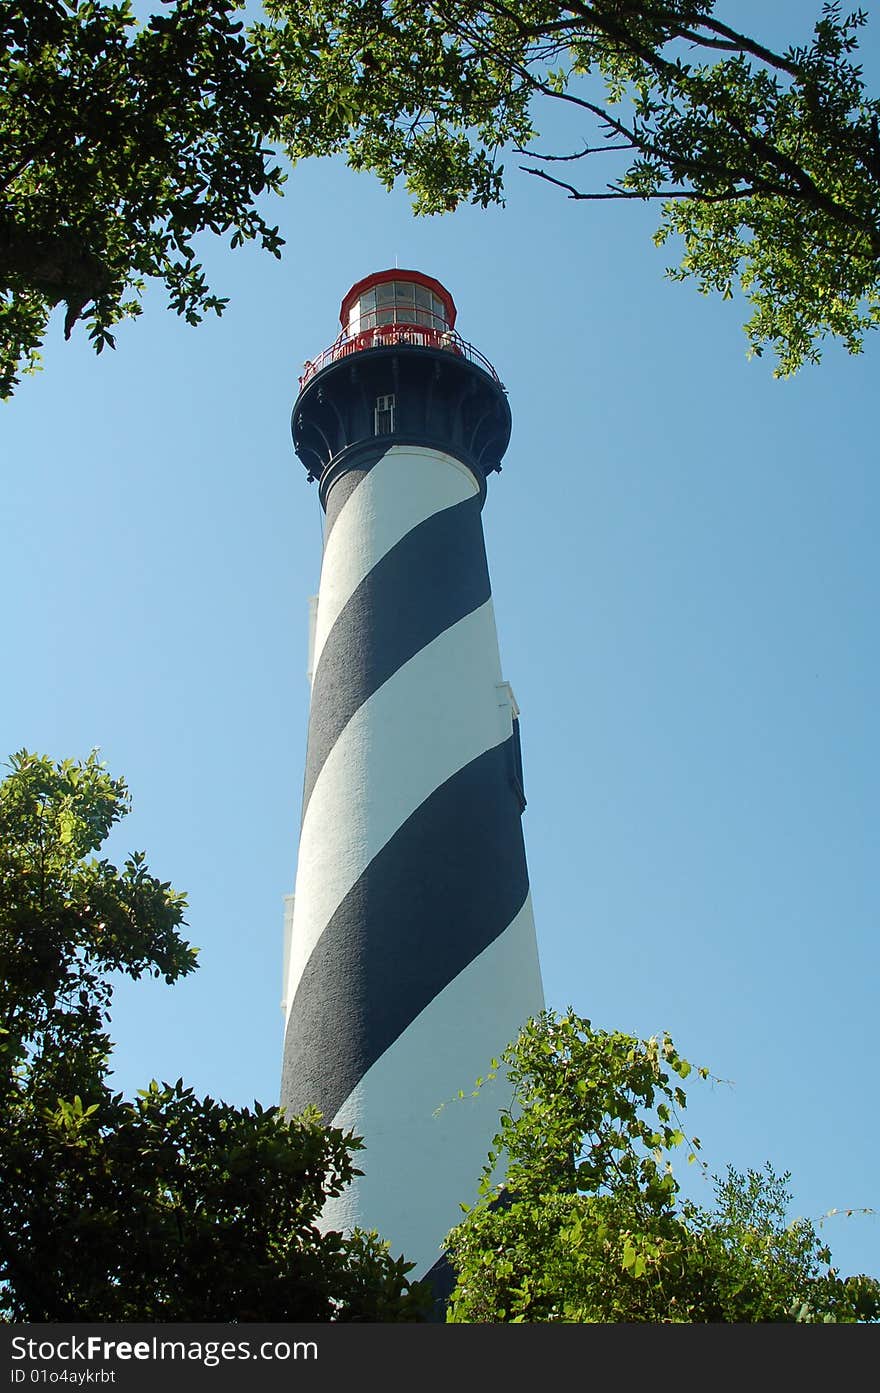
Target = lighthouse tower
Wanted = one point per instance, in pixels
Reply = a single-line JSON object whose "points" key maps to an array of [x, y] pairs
{"points": [[410, 957]]}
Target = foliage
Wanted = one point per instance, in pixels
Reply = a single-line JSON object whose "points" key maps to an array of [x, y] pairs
{"points": [[120, 143], [766, 163], [168, 1207], [587, 1225]]}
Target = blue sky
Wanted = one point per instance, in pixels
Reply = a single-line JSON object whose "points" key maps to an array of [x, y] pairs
{"points": [[684, 562]]}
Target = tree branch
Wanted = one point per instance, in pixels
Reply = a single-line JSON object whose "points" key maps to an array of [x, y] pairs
{"points": [[806, 188], [729, 196], [578, 155], [748, 45]]}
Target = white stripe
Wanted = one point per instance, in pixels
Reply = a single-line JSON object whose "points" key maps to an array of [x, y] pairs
{"points": [[432, 717], [420, 1165], [406, 486]]}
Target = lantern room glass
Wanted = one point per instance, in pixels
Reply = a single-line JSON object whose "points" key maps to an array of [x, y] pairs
{"points": [[397, 302]]}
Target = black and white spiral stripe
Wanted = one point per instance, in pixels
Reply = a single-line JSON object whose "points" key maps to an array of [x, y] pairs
{"points": [[412, 958]]}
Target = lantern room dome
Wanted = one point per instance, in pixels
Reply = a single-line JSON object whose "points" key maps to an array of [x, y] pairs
{"points": [[397, 297]]}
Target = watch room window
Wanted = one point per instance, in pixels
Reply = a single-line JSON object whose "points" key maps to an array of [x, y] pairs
{"points": [[383, 419]]}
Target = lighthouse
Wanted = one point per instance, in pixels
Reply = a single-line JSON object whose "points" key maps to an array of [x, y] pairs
{"points": [[410, 951]]}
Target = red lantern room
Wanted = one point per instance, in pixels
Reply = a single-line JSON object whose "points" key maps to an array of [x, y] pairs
{"points": [[396, 307], [397, 297]]}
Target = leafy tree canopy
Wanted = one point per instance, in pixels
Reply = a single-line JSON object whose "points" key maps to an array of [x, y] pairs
{"points": [[587, 1225], [766, 163], [168, 1207], [120, 143]]}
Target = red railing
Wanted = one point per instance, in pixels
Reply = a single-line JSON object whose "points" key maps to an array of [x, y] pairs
{"points": [[386, 336]]}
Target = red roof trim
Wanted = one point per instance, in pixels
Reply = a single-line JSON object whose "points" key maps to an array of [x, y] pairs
{"points": [[398, 274]]}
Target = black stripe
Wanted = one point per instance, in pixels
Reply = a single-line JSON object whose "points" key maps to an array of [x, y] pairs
{"points": [[349, 479], [441, 1278], [448, 882], [430, 579]]}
